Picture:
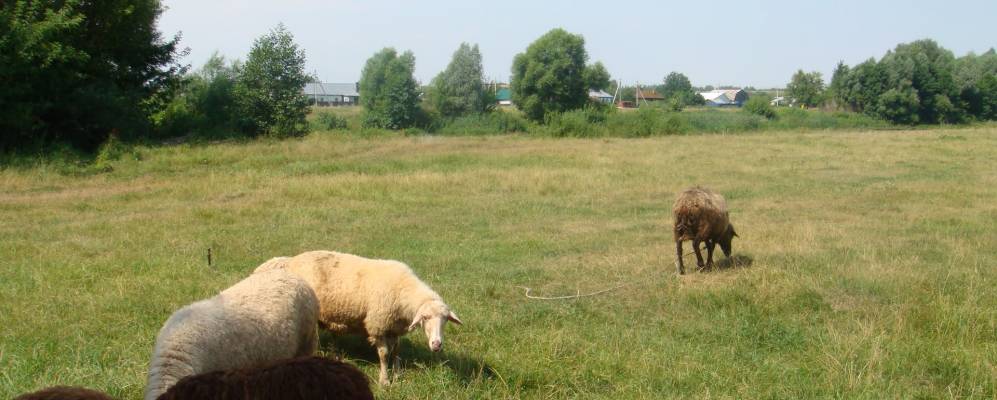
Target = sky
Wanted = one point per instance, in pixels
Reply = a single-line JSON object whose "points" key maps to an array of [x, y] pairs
{"points": [[744, 43]]}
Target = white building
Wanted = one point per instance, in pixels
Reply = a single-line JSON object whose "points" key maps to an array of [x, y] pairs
{"points": [[334, 94], [725, 97]]}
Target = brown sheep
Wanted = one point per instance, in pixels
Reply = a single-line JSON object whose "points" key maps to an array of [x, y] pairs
{"points": [[302, 378], [64, 393], [701, 216]]}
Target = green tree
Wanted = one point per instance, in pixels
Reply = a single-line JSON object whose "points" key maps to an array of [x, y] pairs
{"points": [[974, 76], [388, 92], [926, 68], [677, 88], [549, 76], [205, 105], [459, 89], [77, 71], [270, 86], [806, 88], [596, 76]]}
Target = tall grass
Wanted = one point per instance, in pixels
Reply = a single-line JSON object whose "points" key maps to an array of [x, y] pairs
{"points": [[643, 122]]}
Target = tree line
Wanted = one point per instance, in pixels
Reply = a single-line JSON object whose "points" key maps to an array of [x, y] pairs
{"points": [[81, 72], [915, 83]]}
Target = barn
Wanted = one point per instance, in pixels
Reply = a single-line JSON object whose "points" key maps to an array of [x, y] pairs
{"points": [[333, 94], [725, 97]]}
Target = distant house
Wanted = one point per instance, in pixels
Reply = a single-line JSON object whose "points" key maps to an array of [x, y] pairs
{"points": [[725, 97], [504, 96], [779, 101], [649, 95], [333, 94], [601, 96]]}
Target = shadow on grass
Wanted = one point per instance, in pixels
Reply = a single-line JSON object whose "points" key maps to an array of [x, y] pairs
{"points": [[411, 352], [734, 261]]}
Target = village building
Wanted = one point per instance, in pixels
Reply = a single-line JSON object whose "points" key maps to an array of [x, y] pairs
{"points": [[333, 94]]}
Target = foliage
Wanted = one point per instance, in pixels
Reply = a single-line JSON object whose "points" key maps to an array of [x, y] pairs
{"points": [[205, 105], [76, 71], [676, 87], [596, 76], [918, 83], [326, 120], [759, 105], [459, 89], [389, 92], [976, 77], [485, 124], [806, 88], [269, 87], [550, 75]]}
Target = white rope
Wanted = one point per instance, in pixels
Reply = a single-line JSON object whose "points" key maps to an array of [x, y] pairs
{"points": [[526, 291]]}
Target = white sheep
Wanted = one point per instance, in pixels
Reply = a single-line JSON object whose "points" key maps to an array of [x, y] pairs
{"points": [[380, 299], [263, 318]]}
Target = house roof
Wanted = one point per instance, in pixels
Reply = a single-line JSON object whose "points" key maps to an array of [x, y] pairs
{"points": [[650, 94], [715, 96], [729, 95], [331, 89], [599, 94]]}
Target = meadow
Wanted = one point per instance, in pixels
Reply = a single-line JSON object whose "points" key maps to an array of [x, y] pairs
{"points": [[865, 263]]}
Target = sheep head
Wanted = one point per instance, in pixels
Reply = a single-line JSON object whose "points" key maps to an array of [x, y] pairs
{"points": [[726, 238], [433, 316]]}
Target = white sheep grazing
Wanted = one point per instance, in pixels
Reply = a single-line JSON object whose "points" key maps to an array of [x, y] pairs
{"points": [[263, 318], [380, 299]]}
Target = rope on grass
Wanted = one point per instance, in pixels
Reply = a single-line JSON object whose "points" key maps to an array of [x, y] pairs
{"points": [[526, 290]]}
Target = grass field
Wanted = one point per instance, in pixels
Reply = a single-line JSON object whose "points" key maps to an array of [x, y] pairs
{"points": [[867, 260]]}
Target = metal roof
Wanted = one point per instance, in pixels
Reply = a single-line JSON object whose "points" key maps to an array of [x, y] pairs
{"points": [[599, 94], [331, 89]]}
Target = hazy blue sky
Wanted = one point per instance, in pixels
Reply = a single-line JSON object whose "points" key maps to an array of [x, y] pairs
{"points": [[747, 42]]}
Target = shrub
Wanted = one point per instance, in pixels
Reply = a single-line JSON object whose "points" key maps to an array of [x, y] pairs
{"points": [[326, 120], [485, 124], [759, 105]]}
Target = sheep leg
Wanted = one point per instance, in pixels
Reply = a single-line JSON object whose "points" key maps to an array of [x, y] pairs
{"points": [[699, 254], [382, 355], [710, 245], [393, 355], [678, 257]]}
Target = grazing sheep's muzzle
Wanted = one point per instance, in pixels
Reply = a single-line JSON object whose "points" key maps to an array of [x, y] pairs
{"points": [[436, 345]]}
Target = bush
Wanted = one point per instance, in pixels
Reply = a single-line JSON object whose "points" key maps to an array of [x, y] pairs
{"points": [[721, 121], [326, 120], [485, 124], [759, 105]]}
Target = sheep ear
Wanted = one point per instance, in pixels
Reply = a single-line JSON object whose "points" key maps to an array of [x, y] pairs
{"points": [[415, 323], [453, 318]]}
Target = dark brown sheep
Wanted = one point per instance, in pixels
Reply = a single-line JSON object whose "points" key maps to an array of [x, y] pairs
{"points": [[64, 393], [302, 378], [701, 216]]}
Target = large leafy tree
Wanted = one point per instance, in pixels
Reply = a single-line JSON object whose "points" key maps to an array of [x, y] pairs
{"points": [[79, 71], [920, 82], [269, 87], [678, 88], [388, 91], [807, 88], [550, 75], [596, 76], [459, 89]]}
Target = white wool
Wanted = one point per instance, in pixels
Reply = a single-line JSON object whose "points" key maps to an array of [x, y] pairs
{"points": [[263, 318]]}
